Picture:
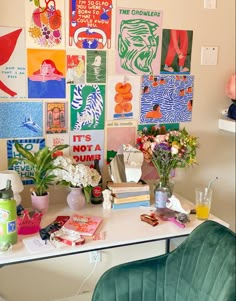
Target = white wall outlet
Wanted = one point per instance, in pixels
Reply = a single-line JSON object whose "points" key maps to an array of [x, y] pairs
{"points": [[210, 4], [94, 256], [209, 55]]}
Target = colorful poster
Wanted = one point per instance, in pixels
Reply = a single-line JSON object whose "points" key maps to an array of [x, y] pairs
{"points": [[166, 99], [24, 170], [87, 109], [12, 63], [123, 97], [86, 146], [22, 119], [46, 73], [75, 73], [53, 140], [119, 132], [90, 24], [44, 23], [176, 51], [96, 66], [56, 117], [138, 41]]}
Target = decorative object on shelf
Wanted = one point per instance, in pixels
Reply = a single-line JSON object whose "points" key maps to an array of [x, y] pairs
{"points": [[28, 222], [107, 199], [16, 183], [166, 151], [42, 164], [75, 175], [76, 198]]}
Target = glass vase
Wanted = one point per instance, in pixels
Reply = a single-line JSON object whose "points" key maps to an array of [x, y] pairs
{"points": [[76, 198], [163, 191]]}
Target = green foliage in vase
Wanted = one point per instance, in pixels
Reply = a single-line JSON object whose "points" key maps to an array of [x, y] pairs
{"points": [[41, 163]]}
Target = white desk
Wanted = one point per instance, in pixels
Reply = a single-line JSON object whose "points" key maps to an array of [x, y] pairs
{"points": [[122, 227]]}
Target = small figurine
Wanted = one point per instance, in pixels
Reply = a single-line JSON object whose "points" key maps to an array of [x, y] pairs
{"points": [[106, 199]]}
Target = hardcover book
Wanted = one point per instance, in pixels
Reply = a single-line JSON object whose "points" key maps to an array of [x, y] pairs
{"points": [[84, 225], [131, 205], [127, 187], [129, 194], [131, 199]]}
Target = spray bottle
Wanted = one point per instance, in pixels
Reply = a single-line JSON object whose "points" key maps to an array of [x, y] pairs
{"points": [[8, 228]]}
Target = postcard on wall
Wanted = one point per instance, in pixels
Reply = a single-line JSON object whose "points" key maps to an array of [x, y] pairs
{"points": [[24, 170], [87, 107], [96, 66], [176, 51], [119, 132], [23, 119], [75, 71], [166, 99], [86, 146], [90, 24], [138, 40], [44, 23], [46, 73], [56, 117], [12, 63], [123, 97], [53, 140]]}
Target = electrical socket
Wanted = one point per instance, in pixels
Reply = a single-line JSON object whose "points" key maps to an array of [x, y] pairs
{"points": [[94, 256]]}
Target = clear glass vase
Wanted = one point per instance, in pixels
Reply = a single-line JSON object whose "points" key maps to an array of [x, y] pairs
{"points": [[163, 191], [76, 198]]}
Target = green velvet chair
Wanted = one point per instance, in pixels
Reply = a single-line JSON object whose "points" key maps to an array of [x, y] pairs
{"points": [[202, 268]]}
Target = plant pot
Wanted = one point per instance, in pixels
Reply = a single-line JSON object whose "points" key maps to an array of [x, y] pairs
{"points": [[76, 198], [40, 202]]}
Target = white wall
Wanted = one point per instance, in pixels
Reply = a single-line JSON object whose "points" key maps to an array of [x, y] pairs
{"points": [[57, 278]]}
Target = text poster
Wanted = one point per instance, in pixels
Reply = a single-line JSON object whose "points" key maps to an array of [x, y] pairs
{"points": [[56, 117], [123, 97], [44, 23], [75, 72], [24, 170], [46, 73], [176, 51], [23, 119], [166, 99], [96, 66], [138, 41], [119, 132], [86, 146], [90, 24], [12, 63], [87, 111], [53, 140]]}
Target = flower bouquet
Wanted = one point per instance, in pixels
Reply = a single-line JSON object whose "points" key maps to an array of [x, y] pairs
{"points": [[76, 175], [167, 150]]}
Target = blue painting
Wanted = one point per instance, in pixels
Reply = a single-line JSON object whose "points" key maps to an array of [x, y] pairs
{"points": [[166, 99], [21, 119]]}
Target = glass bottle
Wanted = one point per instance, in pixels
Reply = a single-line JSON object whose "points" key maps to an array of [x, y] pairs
{"points": [[96, 194], [162, 191]]}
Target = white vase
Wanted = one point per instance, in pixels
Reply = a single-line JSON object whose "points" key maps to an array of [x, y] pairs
{"points": [[40, 202], [76, 198]]}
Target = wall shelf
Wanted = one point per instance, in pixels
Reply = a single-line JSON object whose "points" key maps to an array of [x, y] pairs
{"points": [[227, 124]]}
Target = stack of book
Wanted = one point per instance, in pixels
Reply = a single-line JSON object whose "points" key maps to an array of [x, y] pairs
{"points": [[129, 195]]}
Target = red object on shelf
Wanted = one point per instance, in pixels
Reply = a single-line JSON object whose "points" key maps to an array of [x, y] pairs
{"points": [[27, 224]]}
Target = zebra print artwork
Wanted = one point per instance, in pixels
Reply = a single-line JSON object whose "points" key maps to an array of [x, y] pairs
{"points": [[171, 94], [87, 107]]}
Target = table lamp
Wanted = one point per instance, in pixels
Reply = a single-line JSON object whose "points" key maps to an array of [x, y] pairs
{"points": [[16, 183]]}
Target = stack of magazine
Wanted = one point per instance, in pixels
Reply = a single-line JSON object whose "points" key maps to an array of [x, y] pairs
{"points": [[129, 194]]}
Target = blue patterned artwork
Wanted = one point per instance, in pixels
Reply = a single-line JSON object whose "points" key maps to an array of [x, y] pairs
{"points": [[22, 119], [166, 99]]}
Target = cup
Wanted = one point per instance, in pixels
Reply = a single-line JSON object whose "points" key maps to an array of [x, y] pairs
{"points": [[203, 197]]}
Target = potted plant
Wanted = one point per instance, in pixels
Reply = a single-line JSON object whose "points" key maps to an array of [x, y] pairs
{"points": [[42, 164]]}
